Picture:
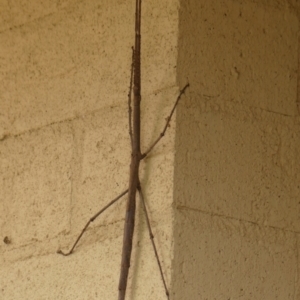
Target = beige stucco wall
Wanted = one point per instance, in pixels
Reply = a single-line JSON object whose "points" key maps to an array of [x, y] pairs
{"points": [[237, 165], [64, 149]]}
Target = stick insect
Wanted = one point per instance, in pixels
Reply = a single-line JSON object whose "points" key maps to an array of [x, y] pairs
{"points": [[136, 157]]}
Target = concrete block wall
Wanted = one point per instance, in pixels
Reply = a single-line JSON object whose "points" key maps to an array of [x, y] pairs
{"points": [[64, 145], [64, 148], [237, 163]]}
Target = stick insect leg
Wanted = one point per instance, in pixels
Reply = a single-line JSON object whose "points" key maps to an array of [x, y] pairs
{"points": [[152, 240], [90, 221], [167, 123], [129, 99]]}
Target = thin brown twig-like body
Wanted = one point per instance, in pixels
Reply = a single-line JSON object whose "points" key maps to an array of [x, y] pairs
{"points": [[129, 99], [152, 240], [92, 219], [136, 157], [167, 123], [125, 192]]}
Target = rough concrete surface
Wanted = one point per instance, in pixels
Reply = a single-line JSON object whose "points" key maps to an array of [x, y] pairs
{"points": [[225, 209], [64, 146], [235, 259], [236, 184], [250, 48]]}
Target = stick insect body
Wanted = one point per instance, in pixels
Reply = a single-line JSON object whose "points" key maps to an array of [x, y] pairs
{"points": [[136, 158]]}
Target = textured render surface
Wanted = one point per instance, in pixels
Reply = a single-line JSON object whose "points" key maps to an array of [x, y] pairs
{"points": [[59, 50], [250, 48], [236, 184], [92, 275], [297, 296], [64, 150], [248, 167], [235, 259], [35, 166], [64, 146]]}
